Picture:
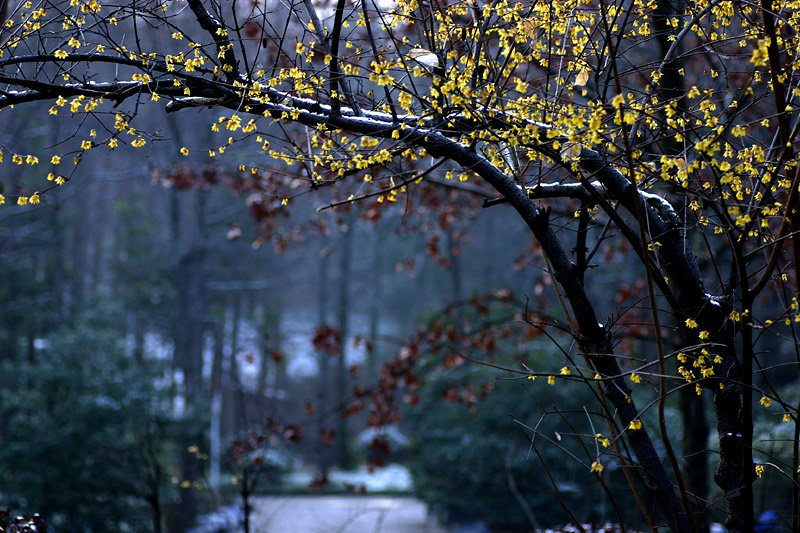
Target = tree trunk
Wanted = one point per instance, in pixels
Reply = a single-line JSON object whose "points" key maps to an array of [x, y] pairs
{"points": [[188, 340], [215, 440], [323, 396], [376, 296], [695, 442], [343, 322]]}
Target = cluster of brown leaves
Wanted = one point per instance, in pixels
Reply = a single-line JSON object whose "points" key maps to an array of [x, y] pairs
{"points": [[263, 192], [269, 434], [327, 340]]}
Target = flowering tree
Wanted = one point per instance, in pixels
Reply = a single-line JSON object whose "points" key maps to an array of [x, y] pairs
{"points": [[670, 123]]}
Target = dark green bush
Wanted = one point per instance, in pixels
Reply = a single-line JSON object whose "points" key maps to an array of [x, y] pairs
{"points": [[474, 462], [80, 433]]}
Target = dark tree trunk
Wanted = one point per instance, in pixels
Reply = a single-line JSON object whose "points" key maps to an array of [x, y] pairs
{"points": [[323, 395], [139, 330], [695, 442], [188, 341], [376, 296], [343, 322]]}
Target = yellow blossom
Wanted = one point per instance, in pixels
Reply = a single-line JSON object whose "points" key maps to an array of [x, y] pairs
{"points": [[597, 467], [766, 402], [233, 123], [760, 55]]}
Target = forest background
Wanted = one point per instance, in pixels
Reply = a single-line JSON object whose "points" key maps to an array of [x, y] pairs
{"points": [[224, 253]]}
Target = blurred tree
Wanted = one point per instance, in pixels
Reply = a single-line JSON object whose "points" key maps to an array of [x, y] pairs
{"points": [[85, 437], [474, 464], [673, 123], [476, 431]]}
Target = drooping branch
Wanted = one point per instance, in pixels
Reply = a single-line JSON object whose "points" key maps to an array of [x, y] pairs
{"points": [[592, 337], [575, 191], [677, 259]]}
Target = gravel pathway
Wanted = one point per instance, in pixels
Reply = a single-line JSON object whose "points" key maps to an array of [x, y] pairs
{"points": [[341, 514]]}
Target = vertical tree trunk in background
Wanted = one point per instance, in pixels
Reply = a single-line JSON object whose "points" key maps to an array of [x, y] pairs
{"points": [[455, 269], [99, 228], [695, 441], [343, 323], [30, 340], [13, 321], [235, 379], [175, 234], [215, 440], [489, 276], [235, 323], [139, 330], [56, 261], [230, 370], [267, 321], [188, 340], [264, 342], [323, 394], [274, 327], [376, 295], [79, 256]]}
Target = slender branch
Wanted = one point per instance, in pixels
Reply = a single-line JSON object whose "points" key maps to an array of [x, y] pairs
{"points": [[216, 29], [325, 42], [374, 47], [333, 76]]}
